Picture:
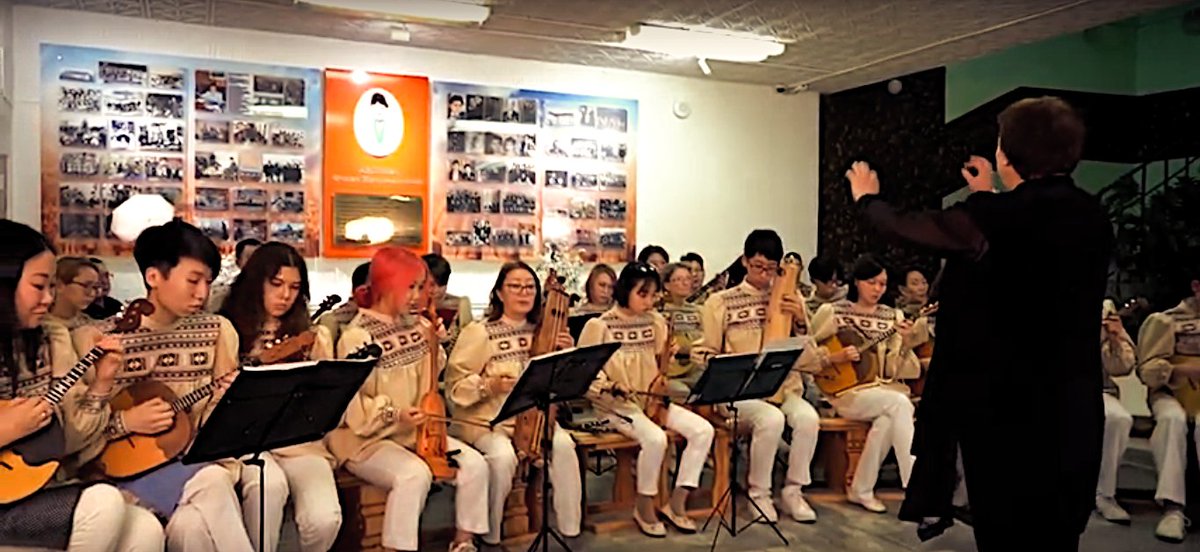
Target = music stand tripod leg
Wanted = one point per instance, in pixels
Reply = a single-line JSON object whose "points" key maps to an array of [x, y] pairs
{"points": [[545, 533], [261, 464]]}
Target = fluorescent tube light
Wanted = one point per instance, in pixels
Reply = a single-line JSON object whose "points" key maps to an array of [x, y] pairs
{"points": [[457, 11], [701, 43]]}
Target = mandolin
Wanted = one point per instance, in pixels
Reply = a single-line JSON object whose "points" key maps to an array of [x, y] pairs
{"points": [[527, 433], [28, 464], [841, 377], [432, 436]]}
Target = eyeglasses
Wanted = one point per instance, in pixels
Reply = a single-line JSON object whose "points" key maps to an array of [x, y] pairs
{"points": [[764, 267], [90, 289], [526, 289]]}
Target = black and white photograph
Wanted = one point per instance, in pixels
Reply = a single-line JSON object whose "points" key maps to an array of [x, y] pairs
{"points": [[124, 167], [122, 134], [270, 90], [612, 209], [583, 181], [519, 204], [585, 237], [474, 110], [456, 141], [113, 195], [612, 181], [287, 138], [475, 143], [211, 91], [529, 112], [582, 148], [587, 116], [556, 179], [466, 172], [218, 164], [560, 118], [493, 109], [491, 201], [79, 100], [287, 231], [283, 169], [124, 102], [166, 79], [291, 202], [528, 145], [77, 75], [456, 105], [216, 229], [512, 110], [558, 148], [583, 208], [250, 132], [463, 201], [493, 172], [78, 226], [161, 136], [511, 147], [611, 151], [244, 229], [522, 173], [173, 194], [164, 106], [249, 199], [493, 144], [250, 174], [212, 199], [483, 231], [80, 133], [79, 164], [609, 118], [164, 168], [460, 238], [612, 238], [78, 196], [122, 73], [213, 132], [505, 237]]}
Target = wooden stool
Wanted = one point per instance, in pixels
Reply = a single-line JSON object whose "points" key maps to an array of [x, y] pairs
{"points": [[841, 443], [362, 514]]}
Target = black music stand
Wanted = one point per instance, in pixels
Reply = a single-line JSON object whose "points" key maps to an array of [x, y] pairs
{"points": [[274, 406], [553, 378], [575, 323], [732, 378]]}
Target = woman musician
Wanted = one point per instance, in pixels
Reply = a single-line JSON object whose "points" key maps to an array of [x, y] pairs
{"points": [[484, 366], [269, 302], [632, 369], [685, 321]]}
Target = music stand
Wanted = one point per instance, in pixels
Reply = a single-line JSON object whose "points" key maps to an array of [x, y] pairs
{"points": [[275, 406], [729, 379], [553, 378], [575, 323]]}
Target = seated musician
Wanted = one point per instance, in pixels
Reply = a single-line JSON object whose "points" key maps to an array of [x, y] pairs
{"points": [[184, 349], [598, 290], [76, 283], [733, 323], [1169, 356], [439, 270], [695, 263], [1119, 357], [685, 321], [484, 366], [378, 436], [632, 369], [826, 277], [97, 517], [268, 301], [876, 398], [336, 319], [912, 298]]}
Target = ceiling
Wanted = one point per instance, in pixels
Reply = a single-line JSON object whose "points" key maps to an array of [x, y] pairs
{"points": [[832, 44]]}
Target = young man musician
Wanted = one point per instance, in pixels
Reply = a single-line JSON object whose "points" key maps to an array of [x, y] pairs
{"points": [[267, 302], [488, 360], [826, 277], [1169, 353], [733, 322], [334, 320], [642, 333], [1117, 352], [184, 349], [439, 269], [378, 436]]}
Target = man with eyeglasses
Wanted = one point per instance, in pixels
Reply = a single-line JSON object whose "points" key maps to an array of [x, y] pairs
{"points": [[826, 277], [102, 307]]}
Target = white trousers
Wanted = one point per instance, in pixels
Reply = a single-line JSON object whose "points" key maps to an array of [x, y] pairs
{"points": [[104, 522], [805, 424], [497, 450], [653, 442], [314, 500], [1169, 442], [209, 517], [407, 479], [1117, 423], [891, 415], [765, 424], [276, 497]]}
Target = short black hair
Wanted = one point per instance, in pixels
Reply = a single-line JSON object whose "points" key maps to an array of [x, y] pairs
{"points": [[763, 242], [1041, 136], [631, 276], [691, 257], [644, 256], [866, 267], [378, 98], [823, 269], [456, 98], [359, 277], [242, 245], [163, 246], [439, 268]]}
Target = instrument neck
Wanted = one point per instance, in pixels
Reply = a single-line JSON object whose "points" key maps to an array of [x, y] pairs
{"points": [[59, 388], [184, 403]]}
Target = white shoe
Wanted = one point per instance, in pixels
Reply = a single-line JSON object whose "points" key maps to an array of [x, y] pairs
{"points": [[465, 546], [794, 504], [767, 505], [1172, 527], [869, 502], [1109, 509]]}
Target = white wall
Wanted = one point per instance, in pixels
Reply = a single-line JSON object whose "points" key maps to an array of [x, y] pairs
{"points": [[745, 159]]}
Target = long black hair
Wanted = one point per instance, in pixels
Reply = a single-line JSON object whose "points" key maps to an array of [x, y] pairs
{"points": [[244, 304], [18, 244], [865, 268], [496, 307]]}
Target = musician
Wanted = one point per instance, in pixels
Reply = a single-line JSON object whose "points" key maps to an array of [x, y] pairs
{"points": [[1119, 357], [184, 349], [103, 306], [802, 288], [220, 289], [826, 277], [733, 322], [439, 268], [598, 290], [334, 320], [269, 301], [685, 319], [695, 263], [99, 519], [490, 356], [878, 399], [1169, 356], [634, 367], [913, 297], [377, 438], [655, 256], [76, 283]]}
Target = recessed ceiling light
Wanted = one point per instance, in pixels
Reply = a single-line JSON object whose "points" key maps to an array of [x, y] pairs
{"points": [[455, 11]]}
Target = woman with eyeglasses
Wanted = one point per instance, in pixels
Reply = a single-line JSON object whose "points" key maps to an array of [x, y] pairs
{"points": [[484, 366], [642, 333], [685, 321], [77, 283]]}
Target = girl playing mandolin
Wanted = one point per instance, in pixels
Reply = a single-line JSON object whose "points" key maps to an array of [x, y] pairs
{"points": [[99, 519], [484, 366], [378, 436], [642, 333], [268, 302]]}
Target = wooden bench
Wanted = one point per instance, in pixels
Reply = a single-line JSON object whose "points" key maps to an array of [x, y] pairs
{"points": [[840, 445], [362, 514]]}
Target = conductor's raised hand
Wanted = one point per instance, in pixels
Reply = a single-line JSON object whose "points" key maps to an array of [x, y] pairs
{"points": [[977, 171], [863, 180]]}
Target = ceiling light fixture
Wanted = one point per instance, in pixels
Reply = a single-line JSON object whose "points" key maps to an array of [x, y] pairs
{"points": [[454, 11], [701, 42], [703, 63]]}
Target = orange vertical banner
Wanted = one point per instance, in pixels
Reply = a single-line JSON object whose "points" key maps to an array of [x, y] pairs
{"points": [[376, 163]]}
